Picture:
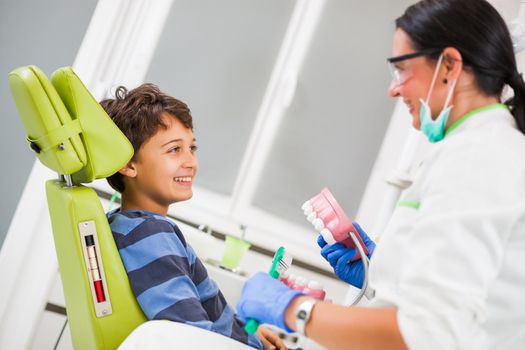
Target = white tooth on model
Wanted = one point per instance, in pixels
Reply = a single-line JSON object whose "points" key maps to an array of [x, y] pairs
{"points": [[318, 224], [327, 235], [308, 210], [312, 216], [305, 205]]}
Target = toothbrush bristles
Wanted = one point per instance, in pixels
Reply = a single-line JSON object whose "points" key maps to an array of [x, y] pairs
{"points": [[284, 263]]}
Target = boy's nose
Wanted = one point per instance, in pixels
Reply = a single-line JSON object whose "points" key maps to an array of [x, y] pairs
{"points": [[190, 161]]}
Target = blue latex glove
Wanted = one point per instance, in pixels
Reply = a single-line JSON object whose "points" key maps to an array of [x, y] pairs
{"points": [[265, 299], [339, 258]]}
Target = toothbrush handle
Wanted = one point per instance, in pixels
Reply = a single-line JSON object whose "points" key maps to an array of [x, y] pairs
{"points": [[251, 326]]}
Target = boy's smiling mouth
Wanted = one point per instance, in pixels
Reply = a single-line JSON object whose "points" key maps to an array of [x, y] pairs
{"points": [[183, 179]]}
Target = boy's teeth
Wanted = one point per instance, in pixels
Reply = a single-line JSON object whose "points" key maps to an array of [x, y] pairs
{"points": [[183, 179]]}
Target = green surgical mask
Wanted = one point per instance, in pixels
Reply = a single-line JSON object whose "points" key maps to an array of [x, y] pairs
{"points": [[434, 130]]}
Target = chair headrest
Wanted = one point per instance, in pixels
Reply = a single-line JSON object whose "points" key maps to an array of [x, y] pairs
{"points": [[66, 127]]}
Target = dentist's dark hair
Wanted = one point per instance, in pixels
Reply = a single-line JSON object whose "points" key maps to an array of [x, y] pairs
{"points": [[480, 34], [138, 114]]}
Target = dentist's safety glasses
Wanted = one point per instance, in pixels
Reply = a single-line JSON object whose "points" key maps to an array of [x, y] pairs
{"points": [[328, 218], [400, 72]]}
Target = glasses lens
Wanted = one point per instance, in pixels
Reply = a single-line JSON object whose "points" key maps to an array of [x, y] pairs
{"points": [[399, 75], [396, 74]]}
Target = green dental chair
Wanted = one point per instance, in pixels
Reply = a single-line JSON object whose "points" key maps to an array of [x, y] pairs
{"points": [[71, 134]]}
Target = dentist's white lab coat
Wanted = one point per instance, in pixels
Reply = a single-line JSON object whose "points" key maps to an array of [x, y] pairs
{"points": [[452, 259]]}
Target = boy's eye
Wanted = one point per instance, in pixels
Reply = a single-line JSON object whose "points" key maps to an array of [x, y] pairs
{"points": [[177, 149]]}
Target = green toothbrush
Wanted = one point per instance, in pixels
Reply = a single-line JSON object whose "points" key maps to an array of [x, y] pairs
{"points": [[280, 263]]}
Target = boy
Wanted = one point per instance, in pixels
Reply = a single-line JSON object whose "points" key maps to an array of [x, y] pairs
{"points": [[167, 278]]}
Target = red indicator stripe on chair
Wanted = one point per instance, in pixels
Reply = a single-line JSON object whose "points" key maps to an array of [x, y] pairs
{"points": [[93, 267], [99, 290]]}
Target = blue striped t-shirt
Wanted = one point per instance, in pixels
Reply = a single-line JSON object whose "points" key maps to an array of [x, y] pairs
{"points": [[168, 279]]}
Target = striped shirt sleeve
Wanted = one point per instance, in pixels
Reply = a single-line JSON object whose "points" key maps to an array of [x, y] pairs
{"points": [[168, 279]]}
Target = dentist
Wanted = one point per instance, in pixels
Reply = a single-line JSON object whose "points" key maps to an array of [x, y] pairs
{"points": [[449, 272]]}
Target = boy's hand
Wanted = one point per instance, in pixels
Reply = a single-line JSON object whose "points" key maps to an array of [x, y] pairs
{"points": [[269, 339]]}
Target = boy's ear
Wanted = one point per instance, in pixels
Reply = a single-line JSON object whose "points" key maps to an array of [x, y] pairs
{"points": [[128, 170]]}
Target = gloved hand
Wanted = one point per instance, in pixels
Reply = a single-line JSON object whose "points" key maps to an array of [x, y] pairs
{"points": [[339, 258], [265, 299]]}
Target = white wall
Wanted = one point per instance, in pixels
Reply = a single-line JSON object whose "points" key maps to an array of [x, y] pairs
{"points": [[31, 32]]}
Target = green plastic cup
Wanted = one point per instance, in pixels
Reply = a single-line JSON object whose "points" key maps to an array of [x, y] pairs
{"points": [[234, 250]]}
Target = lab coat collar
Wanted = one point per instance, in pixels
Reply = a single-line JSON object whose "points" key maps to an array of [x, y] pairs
{"points": [[482, 115]]}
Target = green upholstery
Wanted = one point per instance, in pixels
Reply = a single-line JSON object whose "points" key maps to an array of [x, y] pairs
{"points": [[71, 134], [42, 111], [68, 207], [99, 133]]}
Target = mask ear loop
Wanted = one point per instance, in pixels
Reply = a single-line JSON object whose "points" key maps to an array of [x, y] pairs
{"points": [[434, 77]]}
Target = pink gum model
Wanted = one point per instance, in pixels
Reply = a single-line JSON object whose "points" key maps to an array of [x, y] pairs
{"points": [[329, 218]]}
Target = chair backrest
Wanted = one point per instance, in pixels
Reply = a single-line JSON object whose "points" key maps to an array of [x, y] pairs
{"points": [[71, 134]]}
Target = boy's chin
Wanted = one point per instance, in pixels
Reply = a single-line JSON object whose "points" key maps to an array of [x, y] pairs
{"points": [[184, 197]]}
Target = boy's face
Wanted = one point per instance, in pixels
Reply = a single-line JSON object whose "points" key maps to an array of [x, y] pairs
{"points": [[163, 169]]}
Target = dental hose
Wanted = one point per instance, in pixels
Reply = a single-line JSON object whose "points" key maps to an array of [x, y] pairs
{"points": [[366, 262]]}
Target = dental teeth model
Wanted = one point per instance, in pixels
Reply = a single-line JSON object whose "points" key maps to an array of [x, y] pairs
{"points": [[309, 287], [330, 220]]}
